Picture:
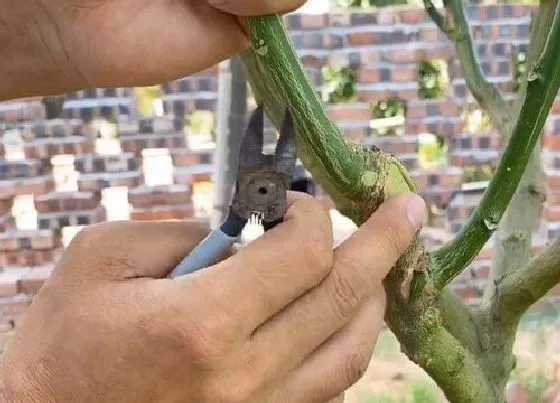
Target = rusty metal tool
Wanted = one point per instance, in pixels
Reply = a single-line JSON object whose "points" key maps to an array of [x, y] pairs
{"points": [[260, 191]]}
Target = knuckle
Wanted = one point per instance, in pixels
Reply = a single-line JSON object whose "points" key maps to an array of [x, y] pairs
{"points": [[318, 251], [356, 365], [208, 342], [344, 295]]}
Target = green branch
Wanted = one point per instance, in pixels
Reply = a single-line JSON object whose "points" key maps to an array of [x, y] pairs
{"points": [[521, 289], [514, 239], [454, 24], [278, 79], [542, 87]]}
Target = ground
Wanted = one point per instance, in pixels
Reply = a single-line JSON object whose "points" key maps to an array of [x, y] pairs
{"points": [[392, 378]]}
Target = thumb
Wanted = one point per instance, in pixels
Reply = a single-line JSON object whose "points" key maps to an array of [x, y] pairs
{"points": [[384, 237]]}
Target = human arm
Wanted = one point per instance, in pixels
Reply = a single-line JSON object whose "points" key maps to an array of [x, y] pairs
{"points": [[59, 46]]}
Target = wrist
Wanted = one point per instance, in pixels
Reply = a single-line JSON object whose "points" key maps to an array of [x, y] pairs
{"points": [[32, 54]]}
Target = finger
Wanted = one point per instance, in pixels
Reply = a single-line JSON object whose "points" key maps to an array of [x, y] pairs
{"points": [[272, 271], [341, 361], [256, 7], [131, 249], [338, 399], [360, 264]]}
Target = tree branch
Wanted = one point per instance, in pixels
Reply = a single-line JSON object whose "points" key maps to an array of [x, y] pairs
{"points": [[521, 289], [543, 82], [359, 180], [455, 25], [514, 240]]}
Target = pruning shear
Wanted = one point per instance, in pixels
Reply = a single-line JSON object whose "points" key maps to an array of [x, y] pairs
{"points": [[261, 191]]}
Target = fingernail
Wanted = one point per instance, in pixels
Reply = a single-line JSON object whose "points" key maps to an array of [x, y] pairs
{"points": [[416, 211]]}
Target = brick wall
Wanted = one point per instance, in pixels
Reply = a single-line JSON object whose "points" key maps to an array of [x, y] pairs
{"points": [[386, 50]]}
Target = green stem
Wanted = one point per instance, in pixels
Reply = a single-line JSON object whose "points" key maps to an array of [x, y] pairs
{"points": [[514, 240], [455, 25], [278, 78], [543, 82]]}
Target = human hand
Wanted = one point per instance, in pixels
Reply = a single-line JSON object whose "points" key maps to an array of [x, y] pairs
{"points": [[63, 45], [286, 319]]}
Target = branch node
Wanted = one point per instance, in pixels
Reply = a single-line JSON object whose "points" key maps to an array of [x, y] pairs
{"points": [[491, 223], [533, 75], [537, 190]]}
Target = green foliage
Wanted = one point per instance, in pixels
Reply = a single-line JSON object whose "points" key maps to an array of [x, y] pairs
{"points": [[432, 79], [388, 117], [478, 173], [424, 392], [145, 97], [432, 151], [201, 123], [339, 84], [388, 109], [387, 346], [476, 120]]}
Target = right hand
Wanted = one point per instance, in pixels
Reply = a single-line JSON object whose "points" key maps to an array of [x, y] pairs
{"points": [[286, 319]]}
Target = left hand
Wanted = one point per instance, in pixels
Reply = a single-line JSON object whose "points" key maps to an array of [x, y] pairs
{"points": [[64, 45]]}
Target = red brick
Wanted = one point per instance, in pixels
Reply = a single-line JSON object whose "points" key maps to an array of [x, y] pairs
{"points": [[402, 56], [415, 111], [32, 282], [311, 61], [413, 16], [368, 75], [551, 213], [553, 181], [347, 112], [9, 242], [309, 21], [45, 241], [370, 56], [429, 34], [553, 197], [361, 38], [387, 16], [8, 288], [154, 214], [403, 74], [552, 143]]}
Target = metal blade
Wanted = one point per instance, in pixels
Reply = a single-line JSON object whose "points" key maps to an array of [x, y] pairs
{"points": [[250, 155], [285, 153]]}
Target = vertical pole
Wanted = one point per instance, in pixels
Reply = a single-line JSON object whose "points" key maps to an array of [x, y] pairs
{"points": [[231, 121]]}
